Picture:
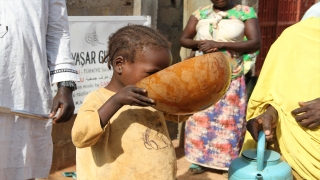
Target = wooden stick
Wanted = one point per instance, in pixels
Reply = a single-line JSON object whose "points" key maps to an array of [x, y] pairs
{"points": [[23, 113], [5, 110]]}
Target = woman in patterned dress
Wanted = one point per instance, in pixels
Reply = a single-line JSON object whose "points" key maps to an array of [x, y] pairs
{"points": [[214, 137]]}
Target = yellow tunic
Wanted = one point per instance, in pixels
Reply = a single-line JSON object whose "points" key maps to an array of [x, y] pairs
{"points": [[134, 145], [291, 74]]}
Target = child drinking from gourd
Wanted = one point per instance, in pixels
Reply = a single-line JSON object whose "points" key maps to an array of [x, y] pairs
{"points": [[116, 132]]}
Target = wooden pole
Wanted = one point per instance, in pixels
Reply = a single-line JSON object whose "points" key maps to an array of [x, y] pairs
{"points": [[23, 113]]}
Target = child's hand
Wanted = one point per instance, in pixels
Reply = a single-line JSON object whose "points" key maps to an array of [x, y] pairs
{"points": [[133, 96], [129, 95]]}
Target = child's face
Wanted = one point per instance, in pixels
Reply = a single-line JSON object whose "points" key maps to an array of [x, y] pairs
{"points": [[146, 62]]}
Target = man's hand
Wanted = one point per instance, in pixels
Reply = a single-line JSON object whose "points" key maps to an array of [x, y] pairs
{"points": [[308, 115], [64, 101], [266, 122]]}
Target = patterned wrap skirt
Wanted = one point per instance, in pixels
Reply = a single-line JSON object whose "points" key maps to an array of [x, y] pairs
{"points": [[214, 137]]}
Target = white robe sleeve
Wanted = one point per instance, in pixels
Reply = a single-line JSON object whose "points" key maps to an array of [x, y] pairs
{"points": [[60, 62]]}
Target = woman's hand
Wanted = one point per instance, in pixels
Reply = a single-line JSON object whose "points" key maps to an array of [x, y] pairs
{"points": [[192, 54], [308, 115], [208, 46], [133, 96], [266, 122]]}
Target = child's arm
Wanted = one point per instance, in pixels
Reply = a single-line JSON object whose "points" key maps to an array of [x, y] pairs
{"points": [[94, 115], [86, 129], [129, 95], [176, 118]]}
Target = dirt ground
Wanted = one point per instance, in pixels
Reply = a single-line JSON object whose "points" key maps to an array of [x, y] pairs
{"points": [[182, 174]]}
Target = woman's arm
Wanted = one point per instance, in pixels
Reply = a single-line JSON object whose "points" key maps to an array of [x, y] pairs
{"points": [[189, 33], [251, 31]]}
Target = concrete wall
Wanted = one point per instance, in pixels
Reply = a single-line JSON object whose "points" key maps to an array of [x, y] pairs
{"points": [[64, 152], [166, 16], [100, 7], [170, 15], [170, 23], [147, 7]]}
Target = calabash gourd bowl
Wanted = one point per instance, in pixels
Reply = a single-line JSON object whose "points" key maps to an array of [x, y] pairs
{"points": [[189, 86]]}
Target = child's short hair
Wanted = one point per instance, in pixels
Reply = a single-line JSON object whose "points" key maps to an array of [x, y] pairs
{"points": [[130, 38]]}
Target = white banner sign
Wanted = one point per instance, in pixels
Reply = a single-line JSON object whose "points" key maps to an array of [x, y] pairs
{"points": [[89, 40]]}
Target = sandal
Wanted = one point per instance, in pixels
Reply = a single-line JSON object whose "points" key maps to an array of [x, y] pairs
{"points": [[225, 174], [70, 174], [196, 169]]}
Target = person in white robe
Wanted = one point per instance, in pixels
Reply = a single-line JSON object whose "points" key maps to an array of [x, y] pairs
{"points": [[313, 11], [34, 54]]}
